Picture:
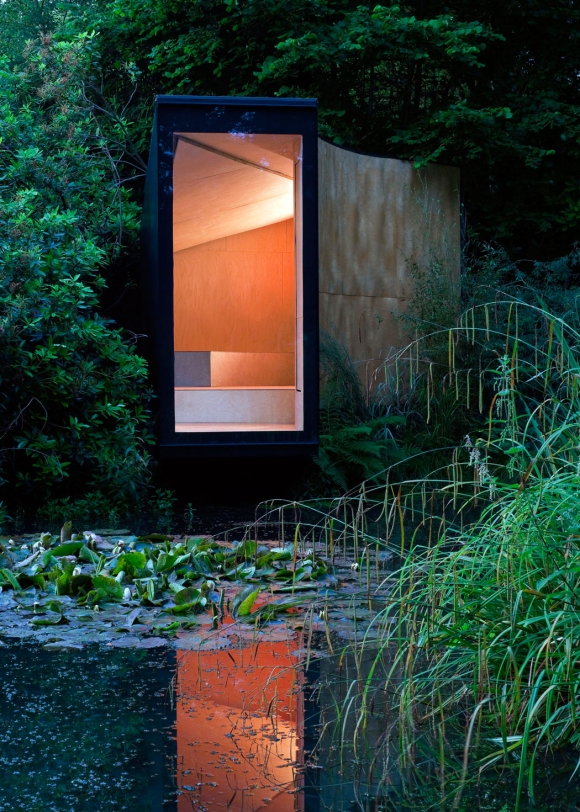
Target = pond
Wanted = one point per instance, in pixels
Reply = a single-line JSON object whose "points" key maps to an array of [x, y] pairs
{"points": [[133, 678], [245, 728]]}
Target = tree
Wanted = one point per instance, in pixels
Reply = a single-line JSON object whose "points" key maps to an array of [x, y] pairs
{"points": [[494, 88]]}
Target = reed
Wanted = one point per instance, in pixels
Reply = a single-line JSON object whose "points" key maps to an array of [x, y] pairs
{"points": [[481, 623]]}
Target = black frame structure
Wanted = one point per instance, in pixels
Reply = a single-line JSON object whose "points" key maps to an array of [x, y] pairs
{"points": [[206, 114]]}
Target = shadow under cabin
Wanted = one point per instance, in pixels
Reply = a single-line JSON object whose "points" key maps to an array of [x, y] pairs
{"points": [[230, 233]]}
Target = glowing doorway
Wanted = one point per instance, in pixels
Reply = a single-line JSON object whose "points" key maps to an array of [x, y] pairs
{"points": [[237, 281]]}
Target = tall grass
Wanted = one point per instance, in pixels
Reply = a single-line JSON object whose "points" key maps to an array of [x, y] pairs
{"points": [[482, 620]]}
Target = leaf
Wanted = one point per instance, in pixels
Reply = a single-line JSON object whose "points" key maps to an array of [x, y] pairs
{"points": [[183, 609], [112, 588], [244, 600], [165, 562], [150, 590], [94, 596], [167, 628], [130, 563], [132, 617], [187, 595], [70, 548], [79, 582], [156, 537], [8, 576], [63, 583], [45, 621], [88, 555]]}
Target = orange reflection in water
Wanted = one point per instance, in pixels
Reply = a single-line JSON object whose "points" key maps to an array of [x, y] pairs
{"points": [[238, 718]]}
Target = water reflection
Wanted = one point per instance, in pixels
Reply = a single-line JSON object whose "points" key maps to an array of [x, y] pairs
{"points": [[239, 719], [238, 729]]}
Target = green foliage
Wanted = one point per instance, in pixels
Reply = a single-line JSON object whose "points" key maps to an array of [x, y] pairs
{"points": [[352, 454], [494, 88], [480, 629], [74, 397], [181, 576], [355, 444]]}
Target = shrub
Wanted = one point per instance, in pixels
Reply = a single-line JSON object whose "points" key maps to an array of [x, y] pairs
{"points": [[73, 393]]}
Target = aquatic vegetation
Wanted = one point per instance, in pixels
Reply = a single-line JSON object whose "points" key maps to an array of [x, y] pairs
{"points": [[132, 581]]}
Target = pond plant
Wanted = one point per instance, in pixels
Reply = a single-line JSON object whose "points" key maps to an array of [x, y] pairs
{"points": [[481, 625], [80, 584]]}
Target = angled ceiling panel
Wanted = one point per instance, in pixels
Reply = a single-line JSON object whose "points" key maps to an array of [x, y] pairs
{"points": [[218, 193]]}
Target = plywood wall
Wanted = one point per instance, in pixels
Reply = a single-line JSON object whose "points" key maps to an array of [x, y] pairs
{"points": [[237, 294], [377, 217]]}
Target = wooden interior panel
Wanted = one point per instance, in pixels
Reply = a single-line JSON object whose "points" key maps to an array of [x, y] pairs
{"points": [[240, 299], [266, 406], [270, 240], [252, 369], [214, 196], [279, 152]]}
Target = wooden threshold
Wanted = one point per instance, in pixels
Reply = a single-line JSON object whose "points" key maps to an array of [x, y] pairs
{"points": [[225, 388], [205, 427]]}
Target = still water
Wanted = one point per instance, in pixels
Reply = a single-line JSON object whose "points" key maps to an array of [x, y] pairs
{"points": [[238, 729]]}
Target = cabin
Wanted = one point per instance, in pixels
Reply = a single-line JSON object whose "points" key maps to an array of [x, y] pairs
{"points": [[231, 240], [256, 234]]}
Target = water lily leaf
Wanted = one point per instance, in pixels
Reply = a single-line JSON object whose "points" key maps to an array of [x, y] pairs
{"points": [[130, 563], [31, 579], [201, 565], [284, 575], [132, 616], [273, 555], [183, 609], [79, 582], [88, 555], [247, 549], [151, 590], [69, 548], [94, 596], [10, 578], [47, 621], [165, 562], [46, 558], [63, 583], [112, 588], [244, 600], [63, 645], [152, 642], [187, 595], [156, 537]]}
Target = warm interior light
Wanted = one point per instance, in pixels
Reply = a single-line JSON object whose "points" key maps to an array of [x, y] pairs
{"points": [[235, 297]]}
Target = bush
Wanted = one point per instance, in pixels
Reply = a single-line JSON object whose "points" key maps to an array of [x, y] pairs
{"points": [[73, 393]]}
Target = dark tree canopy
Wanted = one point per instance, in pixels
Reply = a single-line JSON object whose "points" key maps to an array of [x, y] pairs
{"points": [[493, 87]]}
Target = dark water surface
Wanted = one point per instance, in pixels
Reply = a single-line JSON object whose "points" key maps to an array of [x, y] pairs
{"points": [[236, 729], [86, 731]]}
